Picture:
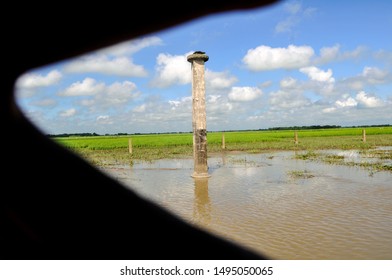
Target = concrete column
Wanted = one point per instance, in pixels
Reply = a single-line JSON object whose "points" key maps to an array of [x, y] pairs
{"points": [[197, 60]]}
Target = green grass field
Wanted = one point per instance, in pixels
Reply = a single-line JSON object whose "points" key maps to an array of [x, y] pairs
{"points": [[107, 150]]}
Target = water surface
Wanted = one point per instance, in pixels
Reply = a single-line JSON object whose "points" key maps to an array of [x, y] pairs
{"points": [[275, 204]]}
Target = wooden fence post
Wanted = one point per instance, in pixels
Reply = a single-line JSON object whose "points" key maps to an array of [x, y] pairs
{"points": [[223, 141], [364, 135], [295, 137], [130, 145]]}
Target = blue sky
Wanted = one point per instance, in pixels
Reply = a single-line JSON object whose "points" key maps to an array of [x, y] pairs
{"points": [[295, 63]]}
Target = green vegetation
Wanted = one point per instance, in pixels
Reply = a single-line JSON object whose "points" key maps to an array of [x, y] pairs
{"points": [[372, 160], [108, 150]]}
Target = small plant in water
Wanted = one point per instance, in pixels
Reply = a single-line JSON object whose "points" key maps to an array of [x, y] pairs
{"points": [[307, 155], [300, 174], [334, 159]]}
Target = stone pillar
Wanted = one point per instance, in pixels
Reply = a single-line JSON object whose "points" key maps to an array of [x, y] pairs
{"points": [[197, 60]]}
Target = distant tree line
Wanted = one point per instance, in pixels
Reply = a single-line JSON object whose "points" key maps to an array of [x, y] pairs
{"points": [[322, 127], [374, 125], [86, 134], [304, 127]]}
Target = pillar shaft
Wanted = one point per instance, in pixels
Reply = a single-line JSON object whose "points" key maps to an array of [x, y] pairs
{"points": [[199, 122]]}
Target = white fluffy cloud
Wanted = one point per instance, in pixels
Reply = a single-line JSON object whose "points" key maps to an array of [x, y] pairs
{"points": [[265, 58], [114, 60], [368, 101], [175, 69], [140, 108], [180, 104], [104, 120], [47, 102], [118, 93], [99, 96], [287, 99], [347, 101], [317, 74], [172, 69], [218, 80], [244, 94], [131, 47], [361, 100], [368, 76], [121, 66], [88, 86], [32, 80], [375, 75], [328, 54], [68, 113], [288, 83], [383, 55], [296, 13]]}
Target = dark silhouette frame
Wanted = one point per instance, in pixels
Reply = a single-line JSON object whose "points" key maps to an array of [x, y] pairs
{"points": [[53, 204]]}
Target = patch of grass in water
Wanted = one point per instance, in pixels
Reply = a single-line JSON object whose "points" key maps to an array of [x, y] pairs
{"points": [[375, 167], [333, 159], [380, 154], [242, 161], [300, 174], [307, 155]]}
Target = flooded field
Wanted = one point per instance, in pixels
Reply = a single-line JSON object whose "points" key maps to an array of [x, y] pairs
{"points": [[284, 207]]}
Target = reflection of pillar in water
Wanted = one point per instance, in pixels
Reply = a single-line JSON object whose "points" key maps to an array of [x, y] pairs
{"points": [[197, 59], [202, 205]]}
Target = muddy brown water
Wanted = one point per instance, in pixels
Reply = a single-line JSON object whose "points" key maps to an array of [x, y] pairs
{"points": [[275, 204]]}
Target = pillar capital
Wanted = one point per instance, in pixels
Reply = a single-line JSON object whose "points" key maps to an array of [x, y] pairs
{"points": [[198, 55]]}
